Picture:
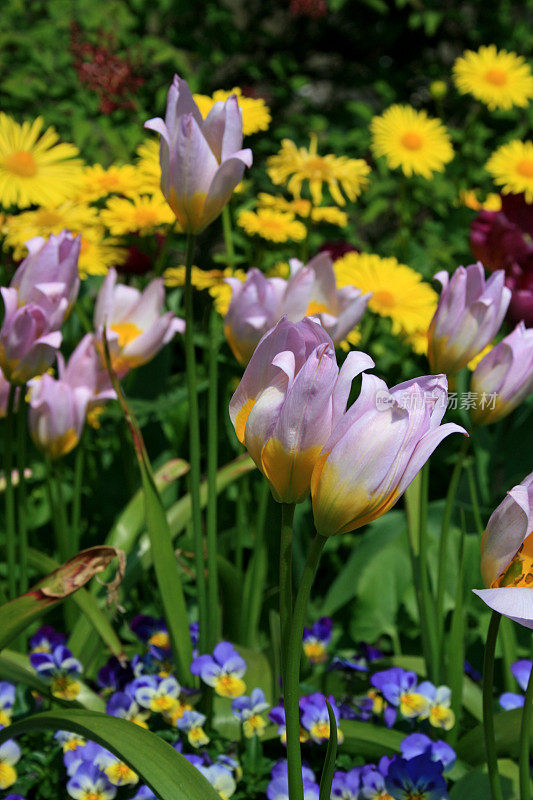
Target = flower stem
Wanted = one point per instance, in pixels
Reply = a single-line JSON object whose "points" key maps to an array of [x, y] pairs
{"points": [[194, 450], [228, 236], [212, 466], [444, 541], [292, 669], [285, 579], [21, 505], [425, 589], [525, 735], [76, 499], [474, 499], [11, 550], [488, 710]]}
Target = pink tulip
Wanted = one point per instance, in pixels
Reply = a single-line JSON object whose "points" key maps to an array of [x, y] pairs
{"points": [[201, 159], [49, 277], [312, 291], [504, 377], [56, 415], [290, 397], [507, 556], [85, 370], [27, 345], [468, 316], [254, 309], [376, 449], [136, 327]]}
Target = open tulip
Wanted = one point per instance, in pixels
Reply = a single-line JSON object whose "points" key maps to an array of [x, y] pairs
{"points": [[27, 345], [56, 415], [468, 316], [376, 450], [254, 309], [136, 328], [201, 159], [507, 556], [85, 370], [312, 291], [290, 397], [505, 374]]}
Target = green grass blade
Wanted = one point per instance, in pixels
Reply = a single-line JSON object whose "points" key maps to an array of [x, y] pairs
{"points": [[331, 754], [163, 769]]}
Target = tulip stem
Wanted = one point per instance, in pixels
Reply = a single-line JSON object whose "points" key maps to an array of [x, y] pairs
{"points": [[291, 689], [11, 551], [212, 466], [228, 236], [425, 590], [474, 499], [21, 505], [76, 499], [525, 735], [285, 579], [444, 541], [488, 710], [194, 450]]}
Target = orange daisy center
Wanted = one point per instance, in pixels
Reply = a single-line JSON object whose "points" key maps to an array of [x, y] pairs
{"points": [[412, 140], [496, 76], [21, 163], [525, 167]]}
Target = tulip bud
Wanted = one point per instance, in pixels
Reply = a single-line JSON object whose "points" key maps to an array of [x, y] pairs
{"points": [[254, 309], [290, 397], [201, 159], [507, 556], [375, 451], [135, 327], [468, 316], [27, 346], [504, 377], [56, 415]]}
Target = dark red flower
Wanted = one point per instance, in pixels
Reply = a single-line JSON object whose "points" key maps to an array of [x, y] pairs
{"points": [[338, 249]]}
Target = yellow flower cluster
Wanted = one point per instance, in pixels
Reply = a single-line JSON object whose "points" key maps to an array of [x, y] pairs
{"points": [[511, 166], [497, 78], [255, 113]]}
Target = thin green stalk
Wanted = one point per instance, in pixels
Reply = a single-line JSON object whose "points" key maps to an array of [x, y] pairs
{"points": [[292, 669], [474, 499], [285, 579], [11, 534], [456, 644], [76, 498], [21, 505], [525, 736], [228, 236], [212, 467], [194, 448], [444, 541], [241, 520], [412, 504], [488, 707], [509, 652], [425, 588], [253, 597], [64, 542], [161, 257]]}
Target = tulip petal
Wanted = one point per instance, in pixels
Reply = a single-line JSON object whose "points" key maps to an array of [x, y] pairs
{"points": [[516, 603], [424, 449], [225, 179]]}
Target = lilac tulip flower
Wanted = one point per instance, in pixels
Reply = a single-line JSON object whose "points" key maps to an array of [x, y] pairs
{"points": [[201, 159], [468, 316], [376, 449], [506, 374], [136, 328], [290, 397], [56, 415], [507, 556]]}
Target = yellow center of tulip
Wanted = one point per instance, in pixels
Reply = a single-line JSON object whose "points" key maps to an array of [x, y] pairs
{"points": [[525, 167], [62, 445], [127, 332], [315, 307], [520, 570], [412, 140], [242, 418], [496, 76], [21, 163]]}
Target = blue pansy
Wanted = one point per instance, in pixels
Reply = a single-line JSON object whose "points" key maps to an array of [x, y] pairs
{"points": [[59, 667], [521, 671], [418, 743], [316, 640], [223, 670], [419, 778], [346, 785], [45, 639], [89, 782], [314, 716], [248, 710], [399, 688]]}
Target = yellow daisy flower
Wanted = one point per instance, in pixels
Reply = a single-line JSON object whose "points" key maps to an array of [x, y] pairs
{"points": [[277, 202], [411, 140], [497, 78], [469, 198], [276, 226], [200, 278], [418, 341], [33, 170], [148, 165], [137, 215], [397, 290], [74, 217], [98, 182], [255, 112], [511, 166], [295, 165], [331, 214], [98, 254]]}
